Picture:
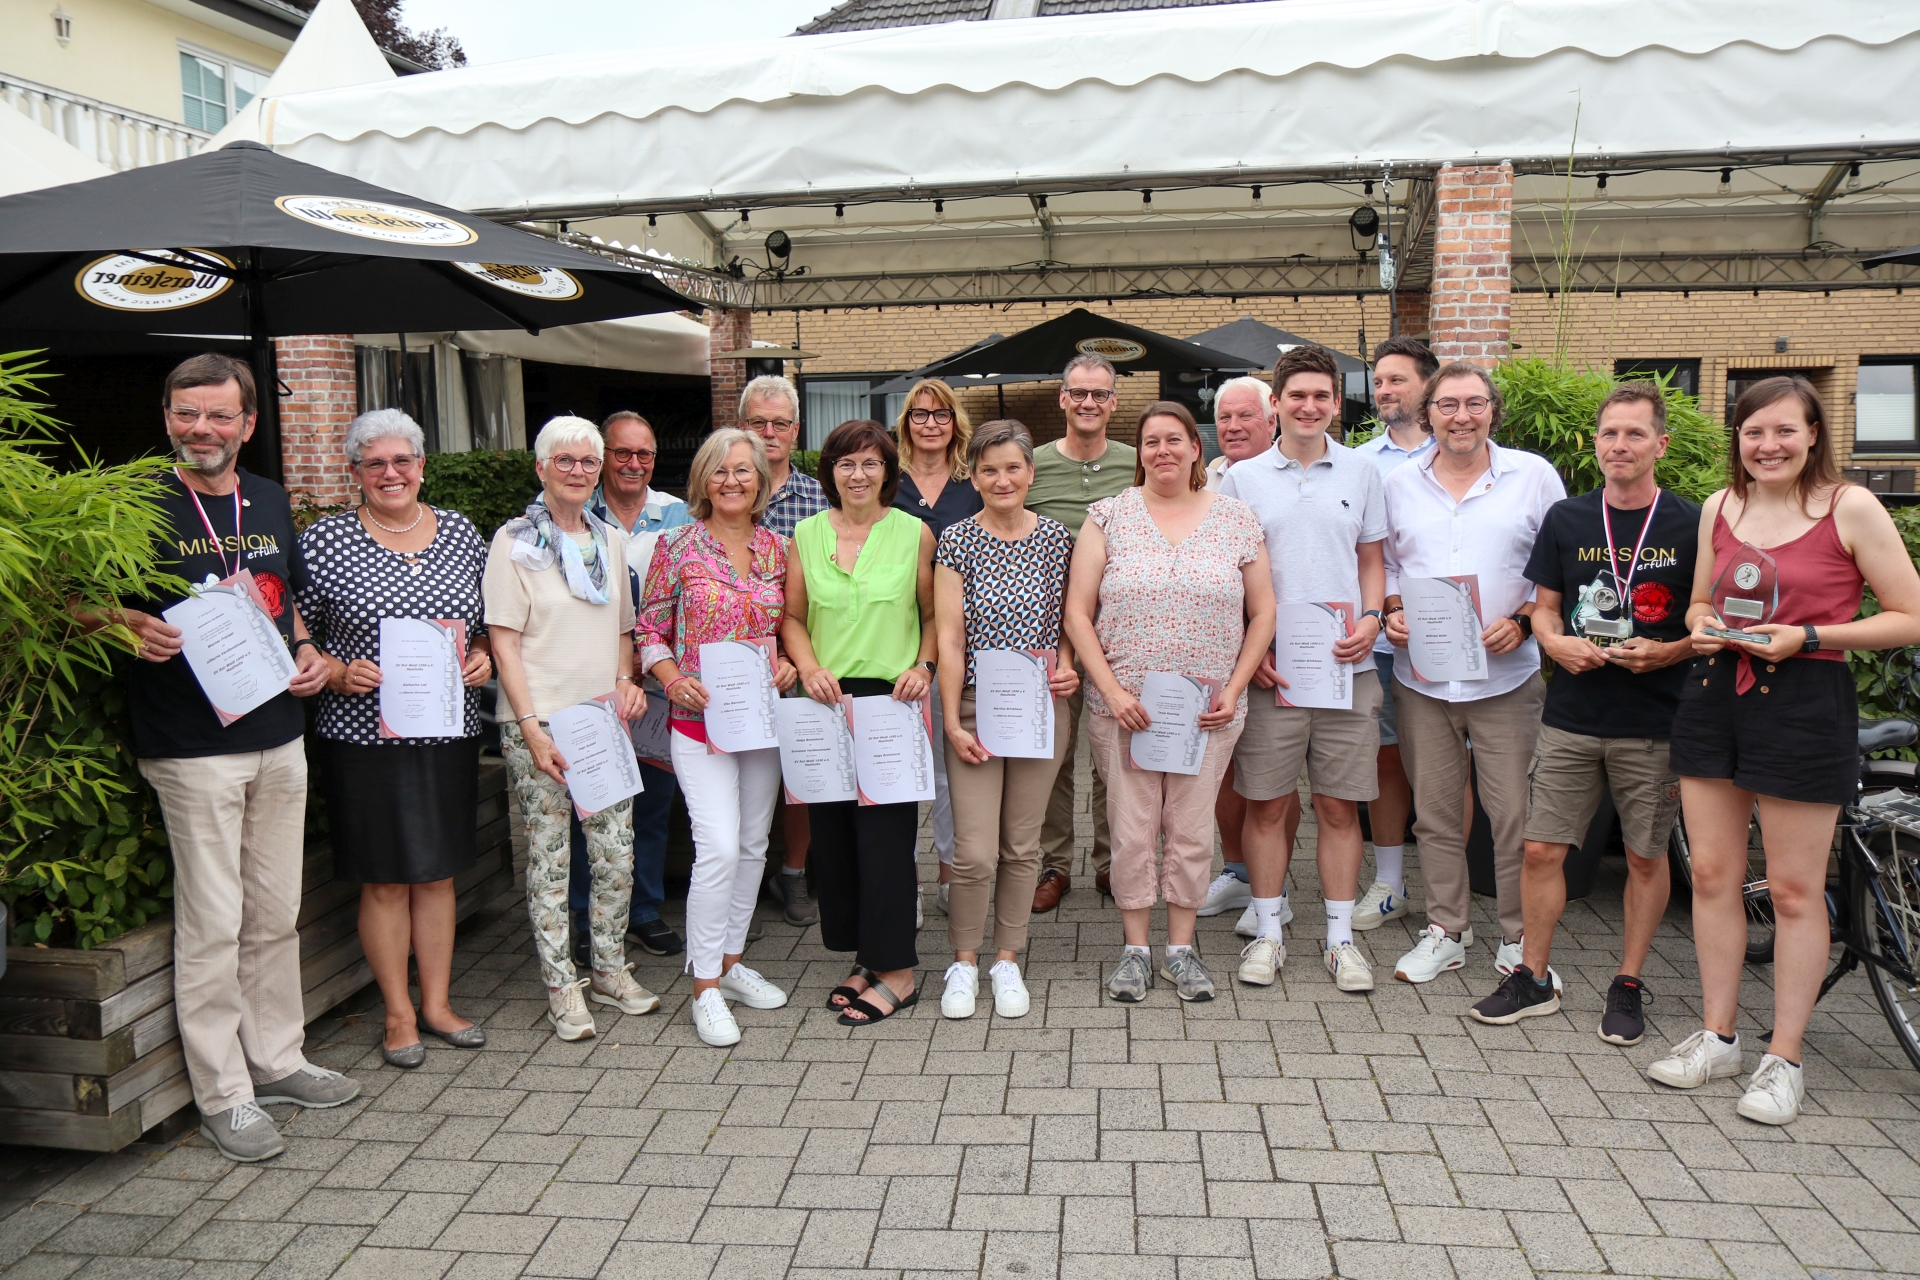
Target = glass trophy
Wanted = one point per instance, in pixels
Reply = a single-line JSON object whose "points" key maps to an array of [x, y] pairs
{"points": [[1746, 593], [1601, 615]]}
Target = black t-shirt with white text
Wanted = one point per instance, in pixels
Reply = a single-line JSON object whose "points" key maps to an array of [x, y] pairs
{"points": [[1569, 554], [171, 716]]}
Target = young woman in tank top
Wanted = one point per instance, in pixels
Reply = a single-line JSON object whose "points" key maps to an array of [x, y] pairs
{"points": [[1773, 724]]}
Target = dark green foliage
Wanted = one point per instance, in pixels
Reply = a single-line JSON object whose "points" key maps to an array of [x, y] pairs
{"points": [[1551, 411], [1876, 700], [805, 460], [488, 488]]}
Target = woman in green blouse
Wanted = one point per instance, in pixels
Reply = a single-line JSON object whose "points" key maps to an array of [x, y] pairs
{"points": [[859, 622]]}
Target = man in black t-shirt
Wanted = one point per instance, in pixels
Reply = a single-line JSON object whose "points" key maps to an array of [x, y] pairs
{"points": [[1614, 573], [234, 796]]}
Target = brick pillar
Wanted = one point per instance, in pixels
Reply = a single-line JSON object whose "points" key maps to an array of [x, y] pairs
{"points": [[732, 331], [319, 370], [1411, 308], [1472, 263]]}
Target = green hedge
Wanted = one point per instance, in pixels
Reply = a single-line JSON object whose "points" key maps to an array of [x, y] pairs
{"points": [[488, 488]]}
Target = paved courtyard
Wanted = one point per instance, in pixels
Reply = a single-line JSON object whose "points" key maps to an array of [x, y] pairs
{"points": [[1288, 1132]]}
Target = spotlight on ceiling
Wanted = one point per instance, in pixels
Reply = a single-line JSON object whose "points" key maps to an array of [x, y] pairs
{"points": [[779, 245], [1365, 222]]}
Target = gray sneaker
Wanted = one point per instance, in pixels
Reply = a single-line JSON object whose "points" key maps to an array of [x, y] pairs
{"points": [[1132, 978], [310, 1086], [793, 897], [243, 1134], [1188, 974]]}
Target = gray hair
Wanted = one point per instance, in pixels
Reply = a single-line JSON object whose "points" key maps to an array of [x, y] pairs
{"points": [[767, 386], [567, 430], [383, 424], [1089, 360], [1246, 382], [992, 434], [713, 452]]}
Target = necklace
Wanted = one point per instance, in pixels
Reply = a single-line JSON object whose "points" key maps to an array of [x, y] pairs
{"points": [[419, 514], [833, 557]]}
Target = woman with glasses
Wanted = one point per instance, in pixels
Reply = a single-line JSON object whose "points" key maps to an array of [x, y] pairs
{"points": [[859, 621], [400, 811], [560, 611]]}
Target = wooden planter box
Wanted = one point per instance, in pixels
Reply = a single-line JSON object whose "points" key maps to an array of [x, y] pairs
{"points": [[90, 1054]]}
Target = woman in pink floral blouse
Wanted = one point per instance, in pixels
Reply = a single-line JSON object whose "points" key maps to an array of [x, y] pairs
{"points": [[722, 577], [1167, 577]]}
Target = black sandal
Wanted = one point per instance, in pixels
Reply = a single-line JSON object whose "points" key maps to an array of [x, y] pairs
{"points": [[846, 995], [874, 1012]]}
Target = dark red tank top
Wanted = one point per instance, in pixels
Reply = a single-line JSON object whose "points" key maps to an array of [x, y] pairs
{"points": [[1820, 585]]}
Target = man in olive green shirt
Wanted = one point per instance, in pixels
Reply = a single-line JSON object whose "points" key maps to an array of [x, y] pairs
{"points": [[1068, 475]]}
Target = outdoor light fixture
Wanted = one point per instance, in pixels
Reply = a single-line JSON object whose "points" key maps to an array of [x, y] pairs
{"points": [[1146, 199], [1367, 187], [1726, 180], [840, 215], [939, 212], [1256, 198], [1600, 183], [746, 217], [779, 245], [62, 26], [1853, 176], [1364, 224], [1040, 201], [653, 225]]}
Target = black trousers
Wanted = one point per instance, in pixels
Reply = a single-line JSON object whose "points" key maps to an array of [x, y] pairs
{"points": [[864, 875]]}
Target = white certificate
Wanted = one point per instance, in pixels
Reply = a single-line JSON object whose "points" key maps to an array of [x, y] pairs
{"points": [[1175, 743], [1443, 627], [233, 648], [1012, 704], [892, 750], [816, 751], [1303, 639], [601, 769], [650, 732], [738, 675], [421, 692]]}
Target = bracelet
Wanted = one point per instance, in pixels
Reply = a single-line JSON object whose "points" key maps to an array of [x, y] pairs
{"points": [[666, 690], [295, 646], [618, 679], [1398, 608], [531, 715]]}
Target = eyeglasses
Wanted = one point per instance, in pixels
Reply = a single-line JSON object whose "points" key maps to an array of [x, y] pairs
{"points": [[1475, 405], [939, 417], [586, 466], [863, 467], [739, 475], [1080, 395], [185, 417], [764, 425], [399, 463], [621, 457]]}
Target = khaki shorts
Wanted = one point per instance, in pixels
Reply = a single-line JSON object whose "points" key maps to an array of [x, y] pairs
{"points": [[1570, 769], [1338, 749]]}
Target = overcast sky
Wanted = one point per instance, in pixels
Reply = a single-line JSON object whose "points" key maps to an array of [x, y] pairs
{"points": [[501, 30]]}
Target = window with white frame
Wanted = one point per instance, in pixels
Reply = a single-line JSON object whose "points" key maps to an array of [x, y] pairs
{"points": [[1886, 419], [214, 87]]}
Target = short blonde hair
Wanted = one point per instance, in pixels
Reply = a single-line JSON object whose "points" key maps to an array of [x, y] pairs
{"points": [[567, 430], [962, 428], [713, 452]]}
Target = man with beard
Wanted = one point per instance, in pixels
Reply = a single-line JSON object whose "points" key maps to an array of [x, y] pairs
{"points": [[234, 796]]}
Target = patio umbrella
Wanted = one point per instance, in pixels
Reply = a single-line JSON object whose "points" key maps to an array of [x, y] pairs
{"points": [[1261, 344], [1907, 256], [242, 241], [1051, 344], [904, 383]]}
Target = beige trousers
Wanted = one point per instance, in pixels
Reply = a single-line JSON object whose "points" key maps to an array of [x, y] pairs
{"points": [[1056, 836], [237, 826], [1148, 810], [1433, 746], [998, 809]]}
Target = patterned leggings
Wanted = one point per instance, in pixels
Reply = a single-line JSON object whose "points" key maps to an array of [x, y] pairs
{"points": [[546, 806]]}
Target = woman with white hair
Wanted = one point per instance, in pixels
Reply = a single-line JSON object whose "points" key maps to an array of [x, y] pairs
{"points": [[561, 615], [400, 810]]}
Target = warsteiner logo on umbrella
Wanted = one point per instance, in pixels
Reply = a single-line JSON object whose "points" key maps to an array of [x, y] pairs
{"points": [[136, 282]]}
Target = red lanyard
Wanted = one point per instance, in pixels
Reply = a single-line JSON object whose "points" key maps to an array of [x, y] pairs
{"points": [[1613, 551], [238, 546]]}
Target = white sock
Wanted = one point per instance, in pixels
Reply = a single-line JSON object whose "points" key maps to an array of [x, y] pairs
{"points": [[1339, 922], [1178, 949], [1390, 865], [1139, 951], [1266, 914], [793, 871]]}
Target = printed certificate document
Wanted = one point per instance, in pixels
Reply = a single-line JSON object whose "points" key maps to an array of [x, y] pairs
{"points": [[816, 750], [738, 675], [1175, 742], [1013, 707], [232, 646], [1303, 640], [892, 749], [601, 769], [649, 732], [421, 693], [1444, 626]]}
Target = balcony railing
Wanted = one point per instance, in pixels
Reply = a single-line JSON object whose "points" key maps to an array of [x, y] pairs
{"points": [[116, 137]]}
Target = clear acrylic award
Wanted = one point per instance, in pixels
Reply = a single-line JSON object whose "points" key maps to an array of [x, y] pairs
{"points": [[1746, 593]]}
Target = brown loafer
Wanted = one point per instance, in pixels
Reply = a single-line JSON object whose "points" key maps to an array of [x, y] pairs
{"points": [[1053, 886], [1103, 883]]}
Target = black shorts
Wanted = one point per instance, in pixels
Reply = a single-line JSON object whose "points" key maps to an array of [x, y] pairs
{"points": [[1793, 736]]}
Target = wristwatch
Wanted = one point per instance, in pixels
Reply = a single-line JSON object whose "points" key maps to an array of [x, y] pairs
{"points": [[1525, 622], [1813, 641], [932, 668], [1377, 616]]}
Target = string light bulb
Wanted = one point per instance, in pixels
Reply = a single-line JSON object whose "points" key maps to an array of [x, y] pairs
{"points": [[1256, 199], [1726, 181], [1146, 199], [939, 213], [746, 217], [1853, 176], [839, 215], [1600, 183]]}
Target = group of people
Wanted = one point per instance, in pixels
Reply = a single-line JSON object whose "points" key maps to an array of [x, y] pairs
{"points": [[917, 546]]}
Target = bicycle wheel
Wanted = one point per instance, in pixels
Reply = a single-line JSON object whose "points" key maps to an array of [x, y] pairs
{"points": [[1753, 891], [1893, 933]]}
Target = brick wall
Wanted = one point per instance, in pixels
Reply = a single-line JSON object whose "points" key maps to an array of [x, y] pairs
{"points": [[1414, 309], [1472, 262], [319, 370], [732, 330]]}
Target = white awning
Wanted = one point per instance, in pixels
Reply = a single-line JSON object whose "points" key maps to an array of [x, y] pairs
{"points": [[663, 343], [32, 157]]}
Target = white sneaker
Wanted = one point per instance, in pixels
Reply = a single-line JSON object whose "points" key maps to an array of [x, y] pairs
{"points": [[623, 993], [712, 1020], [1774, 1092], [1010, 998], [943, 899], [1249, 925], [1260, 961], [1508, 958], [1377, 906], [963, 983], [1432, 956], [919, 912], [1349, 968], [750, 988], [1225, 893], [567, 1011], [1701, 1057]]}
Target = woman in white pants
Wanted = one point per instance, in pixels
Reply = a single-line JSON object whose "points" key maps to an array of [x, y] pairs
{"points": [[719, 578]]}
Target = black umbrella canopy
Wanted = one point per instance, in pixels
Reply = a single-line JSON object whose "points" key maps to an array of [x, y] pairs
{"points": [[904, 383], [1261, 344], [1051, 344], [1907, 256]]}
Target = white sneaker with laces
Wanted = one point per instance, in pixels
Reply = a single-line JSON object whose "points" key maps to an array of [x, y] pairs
{"points": [[750, 988], [1434, 954], [1260, 961], [567, 1011], [1774, 1092], [1225, 893], [1377, 906], [1010, 998], [1508, 958], [623, 993], [1349, 968], [1248, 925], [963, 985], [1701, 1057], [712, 1020]]}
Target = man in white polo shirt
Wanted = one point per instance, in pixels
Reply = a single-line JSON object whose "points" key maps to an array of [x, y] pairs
{"points": [[1468, 507], [1325, 520]]}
